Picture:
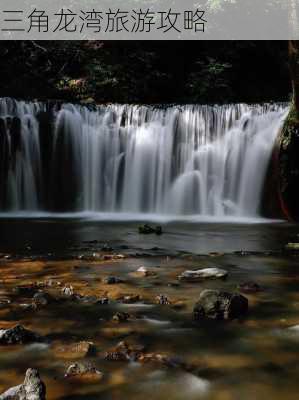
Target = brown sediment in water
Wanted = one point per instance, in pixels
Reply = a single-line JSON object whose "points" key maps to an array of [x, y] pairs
{"points": [[217, 350]]}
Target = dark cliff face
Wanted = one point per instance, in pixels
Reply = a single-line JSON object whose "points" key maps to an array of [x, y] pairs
{"points": [[271, 204], [288, 166]]}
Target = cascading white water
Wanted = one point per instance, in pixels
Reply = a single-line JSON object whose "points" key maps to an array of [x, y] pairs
{"points": [[180, 160], [21, 153]]}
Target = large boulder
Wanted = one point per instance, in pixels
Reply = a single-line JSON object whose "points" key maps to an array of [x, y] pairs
{"points": [[75, 350], [33, 388], [83, 372], [42, 299], [202, 274], [18, 335], [218, 305]]}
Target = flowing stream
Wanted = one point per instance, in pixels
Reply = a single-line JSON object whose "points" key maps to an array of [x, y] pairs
{"points": [[172, 160]]}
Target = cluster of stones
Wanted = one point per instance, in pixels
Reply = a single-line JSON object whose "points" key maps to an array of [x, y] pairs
{"points": [[212, 304]]}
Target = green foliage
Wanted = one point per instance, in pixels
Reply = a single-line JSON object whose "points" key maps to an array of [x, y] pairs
{"points": [[145, 72], [293, 116], [210, 81]]}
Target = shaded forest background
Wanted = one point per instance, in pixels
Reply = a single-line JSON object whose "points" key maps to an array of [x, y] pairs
{"points": [[146, 72]]}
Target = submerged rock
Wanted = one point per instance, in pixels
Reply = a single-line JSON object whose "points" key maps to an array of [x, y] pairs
{"points": [[113, 257], [26, 291], [88, 257], [42, 299], [76, 350], [6, 256], [215, 254], [201, 274], [51, 283], [130, 298], [33, 388], [218, 305], [83, 371], [124, 352], [174, 284], [18, 335], [112, 280], [115, 355], [162, 299], [249, 287], [103, 300], [90, 241], [158, 230], [121, 317], [28, 306], [4, 302], [292, 246], [67, 291], [106, 247], [90, 299], [242, 253], [136, 352], [178, 305], [147, 229], [86, 299], [164, 360], [143, 271], [294, 330]]}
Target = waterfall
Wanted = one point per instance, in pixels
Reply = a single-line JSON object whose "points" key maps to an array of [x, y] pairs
{"points": [[178, 160]]}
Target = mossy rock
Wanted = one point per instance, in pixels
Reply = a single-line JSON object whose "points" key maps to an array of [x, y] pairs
{"points": [[288, 164]]}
